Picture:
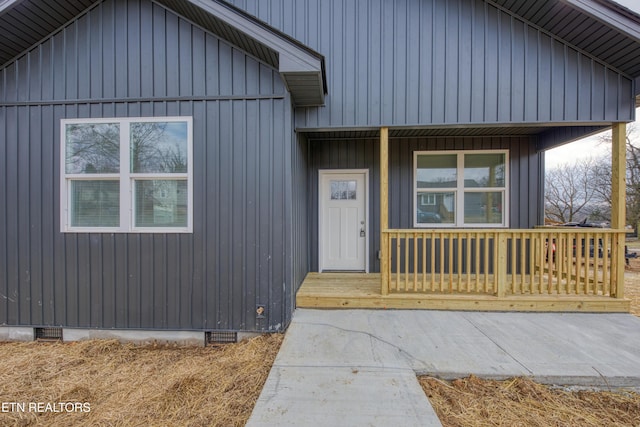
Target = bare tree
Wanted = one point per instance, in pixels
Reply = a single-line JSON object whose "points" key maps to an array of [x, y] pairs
{"points": [[602, 174], [569, 192]]}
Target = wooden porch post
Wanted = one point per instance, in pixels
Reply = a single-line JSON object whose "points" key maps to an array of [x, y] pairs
{"points": [[384, 210], [618, 203]]}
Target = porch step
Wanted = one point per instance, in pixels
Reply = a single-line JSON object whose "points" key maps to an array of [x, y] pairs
{"points": [[362, 290]]}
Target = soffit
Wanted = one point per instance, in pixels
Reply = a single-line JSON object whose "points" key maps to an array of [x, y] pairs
{"points": [[601, 28]]}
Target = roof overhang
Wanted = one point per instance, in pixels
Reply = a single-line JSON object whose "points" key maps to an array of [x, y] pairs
{"points": [[301, 68]]}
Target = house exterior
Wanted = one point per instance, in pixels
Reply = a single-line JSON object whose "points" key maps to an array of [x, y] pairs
{"points": [[183, 165]]}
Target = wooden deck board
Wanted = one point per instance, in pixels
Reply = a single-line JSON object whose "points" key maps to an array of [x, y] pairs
{"points": [[362, 290]]}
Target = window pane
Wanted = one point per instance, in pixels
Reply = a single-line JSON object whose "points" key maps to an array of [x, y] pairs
{"points": [[483, 207], [161, 203], [159, 147], [343, 190], [437, 171], [92, 148], [95, 203], [436, 208], [484, 170]]}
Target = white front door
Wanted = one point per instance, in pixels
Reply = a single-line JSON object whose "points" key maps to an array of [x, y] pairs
{"points": [[343, 220]]}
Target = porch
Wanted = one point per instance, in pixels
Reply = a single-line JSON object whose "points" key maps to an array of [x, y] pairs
{"points": [[538, 269], [545, 269]]}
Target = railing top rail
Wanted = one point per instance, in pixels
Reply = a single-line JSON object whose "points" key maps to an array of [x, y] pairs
{"points": [[545, 230]]}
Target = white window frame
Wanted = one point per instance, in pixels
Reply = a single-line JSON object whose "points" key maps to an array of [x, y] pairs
{"points": [[459, 190], [125, 177]]}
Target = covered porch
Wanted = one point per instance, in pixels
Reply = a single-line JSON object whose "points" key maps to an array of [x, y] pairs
{"points": [[537, 269]]}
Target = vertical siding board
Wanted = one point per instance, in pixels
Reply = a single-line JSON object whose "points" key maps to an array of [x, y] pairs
{"points": [[439, 70], [362, 52], [225, 237], [451, 62], [492, 72], [211, 66], [401, 54], [504, 75], [252, 214], [265, 233], [531, 76], [121, 49], [12, 214], [571, 84], [83, 58], [477, 65], [24, 212], [518, 66], [50, 216], [237, 245], [598, 92], [4, 229], [557, 81], [59, 239], [94, 285], [108, 28], [35, 213], [585, 79], [212, 183], [160, 59], [611, 94], [133, 74], [197, 299], [185, 56], [465, 54], [96, 54], [147, 52], [278, 286]]}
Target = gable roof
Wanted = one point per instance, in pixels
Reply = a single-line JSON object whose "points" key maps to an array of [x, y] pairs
{"points": [[24, 23], [601, 28]]}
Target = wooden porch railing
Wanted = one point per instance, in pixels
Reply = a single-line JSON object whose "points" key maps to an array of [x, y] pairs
{"points": [[551, 261]]}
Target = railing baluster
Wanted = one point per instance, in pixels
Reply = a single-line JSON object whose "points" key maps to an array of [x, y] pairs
{"points": [[606, 259], [468, 263], [424, 262], [398, 256], [415, 262], [441, 262], [433, 262]]}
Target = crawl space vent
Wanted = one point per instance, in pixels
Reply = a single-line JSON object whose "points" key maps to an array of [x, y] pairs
{"points": [[217, 337], [47, 334]]}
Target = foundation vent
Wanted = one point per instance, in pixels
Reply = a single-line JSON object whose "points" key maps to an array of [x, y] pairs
{"points": [[47, 334], [220, 337]]}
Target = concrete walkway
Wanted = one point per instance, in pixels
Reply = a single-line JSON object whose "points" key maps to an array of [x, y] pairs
{"points": [[358, 367]]}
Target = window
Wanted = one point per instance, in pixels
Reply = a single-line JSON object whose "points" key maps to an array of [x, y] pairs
{"points": [[466, 188], [126, 175]]}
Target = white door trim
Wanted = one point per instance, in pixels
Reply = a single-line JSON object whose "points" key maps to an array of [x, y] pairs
{"points": [[321, 174]]}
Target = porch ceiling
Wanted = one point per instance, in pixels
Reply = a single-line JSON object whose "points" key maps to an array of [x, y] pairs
{"points": [[435, 132]]}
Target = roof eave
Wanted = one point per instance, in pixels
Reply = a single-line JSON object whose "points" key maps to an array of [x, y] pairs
{"points": [[610, 14], [301, 68]]}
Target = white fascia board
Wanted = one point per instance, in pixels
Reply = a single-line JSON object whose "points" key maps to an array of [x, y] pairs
{"points": [[609, 16]]}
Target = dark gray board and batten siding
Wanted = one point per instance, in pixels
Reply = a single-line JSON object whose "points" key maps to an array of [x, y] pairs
{"points": [[135, 58], [444, 62]]}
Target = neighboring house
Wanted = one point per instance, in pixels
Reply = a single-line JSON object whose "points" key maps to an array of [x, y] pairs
{"points": [[184, 165]]}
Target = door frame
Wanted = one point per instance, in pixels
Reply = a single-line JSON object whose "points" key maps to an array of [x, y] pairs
{"points": [[321, 174]]}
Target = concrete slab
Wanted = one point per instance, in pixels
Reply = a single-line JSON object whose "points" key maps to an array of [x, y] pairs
{"points": [[357, 367]]}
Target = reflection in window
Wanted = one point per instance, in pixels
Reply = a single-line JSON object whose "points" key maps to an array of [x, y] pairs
{"points": [[92, 148], [151, 194], [158, 147], [460, 188], [161, 203], [343, 190]]}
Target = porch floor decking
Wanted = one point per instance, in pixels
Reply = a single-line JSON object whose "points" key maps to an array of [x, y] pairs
{"points": [[362, 290]]}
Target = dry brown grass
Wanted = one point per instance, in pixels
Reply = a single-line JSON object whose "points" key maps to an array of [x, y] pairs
{"points": [[522, 402], [127, 385]]}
